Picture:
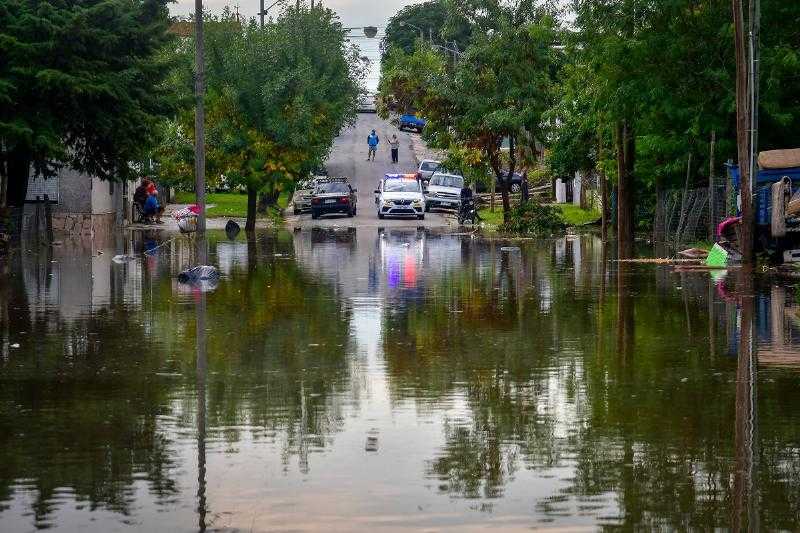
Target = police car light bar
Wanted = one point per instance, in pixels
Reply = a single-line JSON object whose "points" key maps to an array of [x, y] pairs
{"points": [[400, 177]]}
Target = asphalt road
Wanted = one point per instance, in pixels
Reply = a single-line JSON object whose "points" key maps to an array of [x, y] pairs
{"points": [[349, 158]]}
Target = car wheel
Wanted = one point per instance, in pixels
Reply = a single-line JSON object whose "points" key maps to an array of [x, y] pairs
{"points": [[427, 208], [515, 187], [421, 217], [381, 216], [314, 215], [296, 211]]}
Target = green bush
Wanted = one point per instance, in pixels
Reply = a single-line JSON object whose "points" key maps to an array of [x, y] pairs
{"points": [[534, 218]]}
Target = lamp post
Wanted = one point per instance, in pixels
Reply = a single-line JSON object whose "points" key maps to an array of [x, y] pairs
{"points": [[263, 12], [420, 30]]}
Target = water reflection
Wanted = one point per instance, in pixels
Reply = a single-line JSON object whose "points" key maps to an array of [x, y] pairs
{"points": [[533, 384]]}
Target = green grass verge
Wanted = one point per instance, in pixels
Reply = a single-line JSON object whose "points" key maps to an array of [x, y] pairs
{"points": [[573, 215], [227, 204]]}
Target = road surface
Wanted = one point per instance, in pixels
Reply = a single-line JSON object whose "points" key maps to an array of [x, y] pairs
{"points": [[349, 158]]}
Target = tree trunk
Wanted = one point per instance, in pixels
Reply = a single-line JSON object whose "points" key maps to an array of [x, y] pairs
{"points": [[252, 200], [742, 135], [624, 191], [659, 231], [604, 212]]}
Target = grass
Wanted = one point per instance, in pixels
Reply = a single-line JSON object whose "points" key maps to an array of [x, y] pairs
{"points": [[573, 215], [227, 204]]}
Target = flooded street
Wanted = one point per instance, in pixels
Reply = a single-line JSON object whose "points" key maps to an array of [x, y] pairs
{"points": [[398, 379]]}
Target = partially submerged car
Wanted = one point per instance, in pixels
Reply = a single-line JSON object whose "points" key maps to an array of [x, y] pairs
{"points": [[333, 195], [444, 190], [400, 195]]}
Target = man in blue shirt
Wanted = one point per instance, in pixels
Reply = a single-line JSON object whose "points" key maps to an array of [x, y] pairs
{"points": [[372, 143]]}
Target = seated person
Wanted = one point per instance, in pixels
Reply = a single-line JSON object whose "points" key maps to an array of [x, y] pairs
{"points": [[152, 208], [140, 195]]}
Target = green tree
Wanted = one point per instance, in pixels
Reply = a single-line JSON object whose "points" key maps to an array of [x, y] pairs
{"points": [[424, 21], [499, 90], [277, 97], [80, 85]]}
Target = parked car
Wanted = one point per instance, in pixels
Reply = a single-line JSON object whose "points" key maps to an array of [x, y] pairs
{"points": [[400, 194], [301, 199], [444, 190], [367, 103], [411, 122], [516, 184], [426, 169], [333, 195]]}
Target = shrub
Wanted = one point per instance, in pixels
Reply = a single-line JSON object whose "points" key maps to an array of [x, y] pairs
{"points": [[535, 218]]}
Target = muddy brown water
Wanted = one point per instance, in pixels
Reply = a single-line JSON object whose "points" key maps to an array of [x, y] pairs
{"points": [[368, 380]]}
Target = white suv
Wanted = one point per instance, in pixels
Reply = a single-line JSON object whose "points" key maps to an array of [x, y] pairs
{"points": [[444, 190], [400, 195]]}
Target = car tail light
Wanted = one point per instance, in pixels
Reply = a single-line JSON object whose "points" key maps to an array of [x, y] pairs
{"points": [[315, 201], [344, 200], [419, 175]]}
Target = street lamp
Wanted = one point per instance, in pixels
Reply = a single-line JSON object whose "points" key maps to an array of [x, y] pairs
{"points": [[263, 12], [421, 32]]}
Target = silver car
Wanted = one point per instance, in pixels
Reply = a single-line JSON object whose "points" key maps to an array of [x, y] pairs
{"points": [[444, 190], [301, 199], [426, 169]]}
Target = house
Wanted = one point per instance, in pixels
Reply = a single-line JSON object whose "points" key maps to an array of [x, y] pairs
{"points": [[580, 190], [80, 204]]}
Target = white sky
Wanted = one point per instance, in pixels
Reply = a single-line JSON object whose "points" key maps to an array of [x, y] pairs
{"points": [[351, 12]]}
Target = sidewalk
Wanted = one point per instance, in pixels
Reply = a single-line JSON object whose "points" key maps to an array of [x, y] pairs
{"points": [[421, 150], [171, 225]]}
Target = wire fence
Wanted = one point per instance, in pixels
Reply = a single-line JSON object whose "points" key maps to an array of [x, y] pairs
{"points": [[686, 215]]}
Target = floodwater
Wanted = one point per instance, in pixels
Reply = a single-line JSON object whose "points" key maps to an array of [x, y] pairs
{"points": [[401, 380]]}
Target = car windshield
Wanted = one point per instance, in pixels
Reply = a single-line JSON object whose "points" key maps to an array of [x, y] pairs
{"points": [[429, 166], [335, 187], [448, 181], [401, 186]]}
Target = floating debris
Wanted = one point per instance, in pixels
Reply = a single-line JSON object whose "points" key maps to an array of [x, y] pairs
{"points": [[372, 444], [123, 258]]}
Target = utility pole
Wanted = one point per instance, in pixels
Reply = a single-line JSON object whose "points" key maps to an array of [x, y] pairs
{"points": [[743, 134], [199, 120]]}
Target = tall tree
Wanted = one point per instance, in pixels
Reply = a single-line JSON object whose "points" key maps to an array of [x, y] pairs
{"points": [[277, 96], [81, 85]]}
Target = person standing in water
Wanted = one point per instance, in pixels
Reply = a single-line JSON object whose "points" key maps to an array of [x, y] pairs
{"points": [[372, 144], [394, 144]]}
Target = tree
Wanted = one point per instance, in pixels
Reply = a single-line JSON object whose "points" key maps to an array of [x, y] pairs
{"points": [[80, 85], [277, 96], [499, 90], [425, 20]]}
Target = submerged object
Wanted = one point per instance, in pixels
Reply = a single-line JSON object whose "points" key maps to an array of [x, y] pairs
{"points": [[123, 258], [199, 273], [232, 229]]}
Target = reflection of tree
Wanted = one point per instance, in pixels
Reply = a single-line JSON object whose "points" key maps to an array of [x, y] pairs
{"points": [[94, 404], [614, 390]]}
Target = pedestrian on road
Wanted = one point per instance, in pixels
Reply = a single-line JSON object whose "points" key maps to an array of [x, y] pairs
{"points": [[394, 143], [372, 143]]}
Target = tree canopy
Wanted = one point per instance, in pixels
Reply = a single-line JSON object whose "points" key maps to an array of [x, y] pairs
{"points": [[277, 97], [80, 85]]}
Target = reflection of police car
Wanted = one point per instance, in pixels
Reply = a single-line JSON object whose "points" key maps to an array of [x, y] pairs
{"points": [[333, 195], [400, 195]]}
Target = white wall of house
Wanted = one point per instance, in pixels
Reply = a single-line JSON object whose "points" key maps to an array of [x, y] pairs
{"points": [[561, 191], [102, 196], [577, 186]]}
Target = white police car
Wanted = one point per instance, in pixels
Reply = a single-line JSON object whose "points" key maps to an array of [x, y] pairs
{"points": [[400, 195]]}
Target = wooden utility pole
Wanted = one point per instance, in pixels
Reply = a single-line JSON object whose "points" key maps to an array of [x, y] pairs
{"points": [[743, 136], [712, 211], [624, 142], [199, 119]]}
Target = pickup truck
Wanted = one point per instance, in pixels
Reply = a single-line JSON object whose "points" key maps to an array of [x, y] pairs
{"points": [[412, 122]]}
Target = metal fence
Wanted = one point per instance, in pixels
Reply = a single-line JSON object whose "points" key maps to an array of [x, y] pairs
{"points": [[686, 214]]}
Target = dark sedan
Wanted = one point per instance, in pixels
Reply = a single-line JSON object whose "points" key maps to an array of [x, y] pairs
{"points": [[515, 184], [333, 195]]}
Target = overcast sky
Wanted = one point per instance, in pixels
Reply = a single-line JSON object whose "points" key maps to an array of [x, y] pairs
{"points": [[352, 12]]}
